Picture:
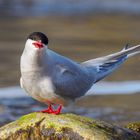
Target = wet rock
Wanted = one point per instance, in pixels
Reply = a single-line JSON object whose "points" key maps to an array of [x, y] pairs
{"points": [[134, 126], [42, 126]]}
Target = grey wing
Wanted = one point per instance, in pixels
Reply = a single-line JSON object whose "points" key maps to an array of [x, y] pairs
{"points": [[103, 66], [71, 80]]}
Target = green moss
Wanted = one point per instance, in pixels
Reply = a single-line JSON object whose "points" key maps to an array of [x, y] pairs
{"points": [[134, 126], [64, 126], [25, 117]]}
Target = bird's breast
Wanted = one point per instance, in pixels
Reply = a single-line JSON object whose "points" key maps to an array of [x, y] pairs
{"points": [[40, 88]]}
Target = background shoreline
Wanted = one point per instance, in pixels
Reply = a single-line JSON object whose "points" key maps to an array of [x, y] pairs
{"points": [[80, 39], [100, 88]]}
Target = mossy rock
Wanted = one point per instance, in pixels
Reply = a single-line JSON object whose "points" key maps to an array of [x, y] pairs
{"points": [[135, 126], [40, 126]]}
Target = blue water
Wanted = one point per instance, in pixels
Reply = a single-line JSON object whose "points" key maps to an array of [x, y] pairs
{"points": [[100, 88], [70, 7]]}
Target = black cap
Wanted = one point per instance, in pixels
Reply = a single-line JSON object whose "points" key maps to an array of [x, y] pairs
{"points": [[39, 36]]}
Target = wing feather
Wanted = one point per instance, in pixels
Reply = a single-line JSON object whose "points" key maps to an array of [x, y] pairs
{"points": [[107, 64]]}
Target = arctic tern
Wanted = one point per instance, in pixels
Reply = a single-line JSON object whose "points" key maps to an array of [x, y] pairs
{"points": [[54, 79]]}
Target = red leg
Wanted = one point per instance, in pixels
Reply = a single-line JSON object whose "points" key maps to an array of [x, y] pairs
{"points": [[49, 110], [57, 111]]}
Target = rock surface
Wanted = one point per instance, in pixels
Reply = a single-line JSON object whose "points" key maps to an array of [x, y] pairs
{"points": [[40, 126], [135, 126]]}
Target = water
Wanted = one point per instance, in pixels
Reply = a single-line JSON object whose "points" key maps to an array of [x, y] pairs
{"points": [[125, 87], [70, 7], [100, 88], [98, 104]]}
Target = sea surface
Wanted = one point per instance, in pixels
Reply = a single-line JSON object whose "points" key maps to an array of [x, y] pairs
{"points": [[69, 7], [100, 88]]}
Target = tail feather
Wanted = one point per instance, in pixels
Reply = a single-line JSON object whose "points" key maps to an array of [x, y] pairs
{"points": [[107, 64], [126, 51], [126, 47], [132, 54]]}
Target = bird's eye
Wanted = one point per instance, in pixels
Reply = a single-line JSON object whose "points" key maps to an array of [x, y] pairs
{"points": [[33, 38]]}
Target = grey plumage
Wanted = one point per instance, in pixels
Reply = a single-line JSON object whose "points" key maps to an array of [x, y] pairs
{"points": [[50, 77], [70, 79]]}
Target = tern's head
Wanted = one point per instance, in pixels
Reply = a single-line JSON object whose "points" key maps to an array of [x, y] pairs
{"points": [[37, 40]]}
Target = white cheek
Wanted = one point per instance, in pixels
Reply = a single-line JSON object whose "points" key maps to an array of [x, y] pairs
{"points": [[29, 45]]}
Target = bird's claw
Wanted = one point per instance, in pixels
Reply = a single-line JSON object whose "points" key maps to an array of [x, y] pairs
{"points": [[49, 110]]}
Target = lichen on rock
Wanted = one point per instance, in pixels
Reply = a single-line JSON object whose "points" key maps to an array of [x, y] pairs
{"points": [[135, 126], [40, 126]]}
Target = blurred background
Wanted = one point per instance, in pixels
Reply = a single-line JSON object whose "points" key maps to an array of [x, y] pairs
{"points": [[80, 30]]}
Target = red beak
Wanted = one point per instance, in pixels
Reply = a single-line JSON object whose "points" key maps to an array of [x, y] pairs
{"points": [[38, 44]]}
